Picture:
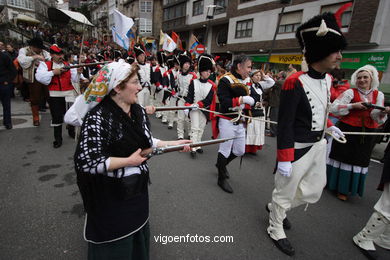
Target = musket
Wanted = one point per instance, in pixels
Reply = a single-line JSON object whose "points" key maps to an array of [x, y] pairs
{"points": [[84, 65], [148, 153], [174, 108], [368, 105]]}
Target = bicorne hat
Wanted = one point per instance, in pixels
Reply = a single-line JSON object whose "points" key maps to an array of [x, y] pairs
{"points": [[205, 62]]}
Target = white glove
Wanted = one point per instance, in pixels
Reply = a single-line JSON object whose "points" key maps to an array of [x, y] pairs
{"points": [[242, 106], [186, 112], [285, 168], [159, 87], [248, 100], [336, 131]]}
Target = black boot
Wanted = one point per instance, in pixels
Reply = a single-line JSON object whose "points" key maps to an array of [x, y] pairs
{"points": [[57, 136], [71, 131], [229, 159], [222, 178]]}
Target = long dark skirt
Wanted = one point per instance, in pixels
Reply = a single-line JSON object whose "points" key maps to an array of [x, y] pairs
{"points": [[134, 247]]}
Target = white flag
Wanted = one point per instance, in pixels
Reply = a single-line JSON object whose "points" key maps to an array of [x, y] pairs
{"points": [[122, 23], [122, 41], [169, 44]]}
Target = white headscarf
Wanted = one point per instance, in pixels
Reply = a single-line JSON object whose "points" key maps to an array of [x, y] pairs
{"points": [[110, 76], [373, 73]]}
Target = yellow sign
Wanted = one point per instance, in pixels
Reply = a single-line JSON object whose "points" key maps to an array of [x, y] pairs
{"points": [[287, 59]]}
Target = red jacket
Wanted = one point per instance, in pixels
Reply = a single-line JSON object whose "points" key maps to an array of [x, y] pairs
{"points": [[60, 82]]}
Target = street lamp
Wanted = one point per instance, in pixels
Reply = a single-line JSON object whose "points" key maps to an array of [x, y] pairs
{"points": [[209, 16]]}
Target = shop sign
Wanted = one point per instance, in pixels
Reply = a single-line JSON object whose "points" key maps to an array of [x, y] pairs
{"points": [[287, 59], [379, 60]]}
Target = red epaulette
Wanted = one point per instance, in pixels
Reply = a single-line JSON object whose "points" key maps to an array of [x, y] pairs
{"points": [[193, 75], [167, 72], [289, 84], [214, 86]]}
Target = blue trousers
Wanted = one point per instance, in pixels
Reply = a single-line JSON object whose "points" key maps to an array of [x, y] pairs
{"points": [[5, 97]]}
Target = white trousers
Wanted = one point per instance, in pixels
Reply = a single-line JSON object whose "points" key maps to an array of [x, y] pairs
{"points": [[198, 123], [227, 130], [158, 101], [305, 185], [143, 97], [377, 229], [182, 121]]}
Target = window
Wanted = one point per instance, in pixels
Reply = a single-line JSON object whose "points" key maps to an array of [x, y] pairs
{"points": [[244, 28], [145, 6], [174, 12], [145, 25], [290, 22], [222, 6], [345, 17], [197, 8]]}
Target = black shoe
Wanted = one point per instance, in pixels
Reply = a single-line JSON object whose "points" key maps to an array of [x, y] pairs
{"points": [[199, 151], [370, 254], [57, 144], [165, 123], [284, 246], [193, 154], [225, 186], [8, 127], [170, 127], [180, 138], [286, 222]]}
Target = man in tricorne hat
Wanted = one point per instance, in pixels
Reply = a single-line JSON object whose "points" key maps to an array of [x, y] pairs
{"points": [[144, 74], [157, 76], [200, 95], [301, 169], [183, 81], [59, 81], [29, 58], [170, 89]]}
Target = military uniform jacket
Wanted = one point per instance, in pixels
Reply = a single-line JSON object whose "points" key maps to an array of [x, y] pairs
{"points": [[302, 113], [183, 81], [201, 92], [145, 74]]}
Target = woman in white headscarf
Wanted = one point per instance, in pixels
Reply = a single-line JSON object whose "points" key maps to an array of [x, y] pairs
{"points": [[112, 173], [347, 167]]}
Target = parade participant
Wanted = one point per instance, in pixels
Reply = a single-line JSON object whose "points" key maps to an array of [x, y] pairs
{"points": [[112, 175], [348, 163], [255, 129], [272, 98], [157, 77], [339, 85], [201, 93], [183, 81], [59, 81], [7, 75], [232, 93], [301, 168], [144, 75], [29, 58], [170, 90], [377, 229], [154, 78]]}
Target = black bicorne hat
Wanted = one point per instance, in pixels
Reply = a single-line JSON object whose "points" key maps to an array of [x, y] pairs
{"points": [[320, 37], [161, 57], [183, 58], [138, 50], [205, 62]]}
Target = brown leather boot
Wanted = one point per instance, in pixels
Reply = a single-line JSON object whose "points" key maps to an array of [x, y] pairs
{"points": [[35, 114]]}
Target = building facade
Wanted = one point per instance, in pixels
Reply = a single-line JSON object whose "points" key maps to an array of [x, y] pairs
{"points": [[249, 26]]}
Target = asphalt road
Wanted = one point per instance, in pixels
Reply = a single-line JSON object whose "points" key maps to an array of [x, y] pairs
{"points": [[41, 213]]}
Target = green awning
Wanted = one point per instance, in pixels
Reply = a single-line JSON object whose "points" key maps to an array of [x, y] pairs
{"points": [[379, 60], [259, 58]]}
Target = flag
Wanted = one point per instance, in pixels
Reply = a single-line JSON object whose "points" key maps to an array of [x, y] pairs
{"points": [[122, 23], [122, 41], [193, 42], [176, 39], [162, 37], [168, 44]]}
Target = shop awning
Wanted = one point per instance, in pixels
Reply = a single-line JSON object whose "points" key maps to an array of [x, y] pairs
{"points": [[380, 60], [63, 16], [26, 18]]}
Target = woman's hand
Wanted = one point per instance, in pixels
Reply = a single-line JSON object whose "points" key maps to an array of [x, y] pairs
{"points": [[136, 158], [359, 106], [150, 110]]}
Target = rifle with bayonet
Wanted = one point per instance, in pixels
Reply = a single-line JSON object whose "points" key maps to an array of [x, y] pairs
{"points": [[84, 65], [175, 108], [369, 105], [150, 152]]}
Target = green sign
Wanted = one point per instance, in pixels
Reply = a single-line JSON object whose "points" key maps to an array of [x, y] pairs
{"points": [[259, 58], [379, 60]]}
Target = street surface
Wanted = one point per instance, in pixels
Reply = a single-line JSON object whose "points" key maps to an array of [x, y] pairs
{"points": [[41, 213]]}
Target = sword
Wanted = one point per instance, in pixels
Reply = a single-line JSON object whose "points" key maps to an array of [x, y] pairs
{"points": [[174, 108], [148, 153]]}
